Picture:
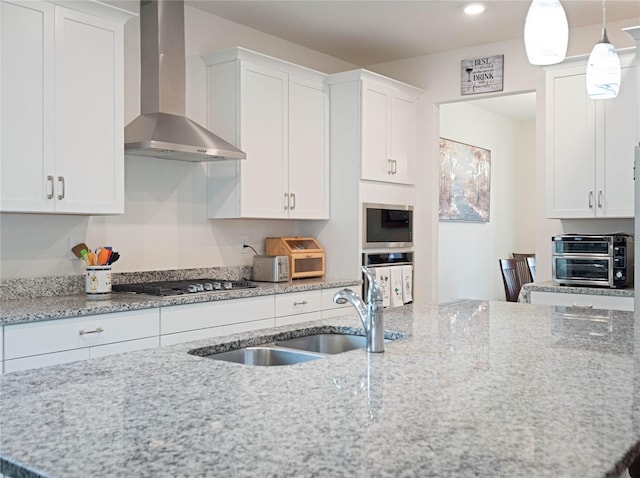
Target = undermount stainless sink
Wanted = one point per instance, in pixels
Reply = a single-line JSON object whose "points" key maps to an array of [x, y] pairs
{"points": [[265, 356], [325, 343], [290, 351]]}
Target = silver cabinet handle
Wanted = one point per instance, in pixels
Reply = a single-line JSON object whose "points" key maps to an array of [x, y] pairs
{"points": [[97, 330], [389, 166], [286, 201], [304, 302], [590, 199], [293, 200], [61, 181], [394, 166], [51, 186], [600, 199], [586, 306]]}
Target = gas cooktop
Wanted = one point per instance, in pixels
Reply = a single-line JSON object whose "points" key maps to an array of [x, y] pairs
{"points": [[186, 286]]}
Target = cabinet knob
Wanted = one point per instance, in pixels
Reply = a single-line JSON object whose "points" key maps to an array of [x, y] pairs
{"points": [[590, 199], [600, 199], [304, 302], [292, 196], [286, 201]]}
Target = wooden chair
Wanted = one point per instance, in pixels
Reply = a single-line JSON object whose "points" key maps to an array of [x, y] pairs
{"points": [[531, 262], [524, 273], [509, 270]]}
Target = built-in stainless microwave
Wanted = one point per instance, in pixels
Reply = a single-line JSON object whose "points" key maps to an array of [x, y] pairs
{"points": [[385, 225], [604, 260]]}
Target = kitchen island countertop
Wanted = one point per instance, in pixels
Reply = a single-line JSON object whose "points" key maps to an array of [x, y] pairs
{"points": [[475, 389], [16, 311], [550, 286]]}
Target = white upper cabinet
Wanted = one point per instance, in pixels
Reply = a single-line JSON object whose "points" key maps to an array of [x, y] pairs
{"points": [[590, 145], [387, 126], [277, 113], [62, 120]]}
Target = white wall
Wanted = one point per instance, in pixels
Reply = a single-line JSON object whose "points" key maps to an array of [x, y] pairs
{"points": [[469, 252]]}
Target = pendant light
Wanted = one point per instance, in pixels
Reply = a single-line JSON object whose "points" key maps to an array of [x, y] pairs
{"points": [[546, 32], [603, 68]]}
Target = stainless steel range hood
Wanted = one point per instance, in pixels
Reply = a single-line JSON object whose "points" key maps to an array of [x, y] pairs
{"points": [[162, 130]]}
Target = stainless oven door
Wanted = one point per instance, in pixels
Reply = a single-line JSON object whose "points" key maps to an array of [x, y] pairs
{"points": [[582, 270]]}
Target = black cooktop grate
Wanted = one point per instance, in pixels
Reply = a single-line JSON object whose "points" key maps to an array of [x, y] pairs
{"points": [[186, 286]]}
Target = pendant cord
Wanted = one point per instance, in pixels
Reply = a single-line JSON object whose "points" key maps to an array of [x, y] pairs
{"points": [[604, 16]]}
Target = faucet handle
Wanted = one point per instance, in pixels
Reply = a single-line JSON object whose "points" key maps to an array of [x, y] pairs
{"points": [[374, 293]]}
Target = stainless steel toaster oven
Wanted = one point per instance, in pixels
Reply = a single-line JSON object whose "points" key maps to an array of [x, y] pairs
{"points": [[604, 260]]}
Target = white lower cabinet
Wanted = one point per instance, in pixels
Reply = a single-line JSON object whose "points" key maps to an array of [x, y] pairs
{"points": [[298, 307], [184, 323], [585, 301], [39, 344], [330, 308]]}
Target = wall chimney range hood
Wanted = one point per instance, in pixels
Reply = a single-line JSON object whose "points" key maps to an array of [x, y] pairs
{"points": [[162, 130]]}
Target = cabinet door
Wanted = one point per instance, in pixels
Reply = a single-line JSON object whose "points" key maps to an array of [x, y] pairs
{"points": [[375, 135], [615, 188], [571, 147], [585, 301], [89, 114], [308, 150], [403, 139], [263, 137], [26, 99]]}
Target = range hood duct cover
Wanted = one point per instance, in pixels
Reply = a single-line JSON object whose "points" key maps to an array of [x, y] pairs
{"points": [[162, 130]]}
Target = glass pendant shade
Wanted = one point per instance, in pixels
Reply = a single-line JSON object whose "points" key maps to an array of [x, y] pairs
{"points": [[546, 32], [603, 71]]}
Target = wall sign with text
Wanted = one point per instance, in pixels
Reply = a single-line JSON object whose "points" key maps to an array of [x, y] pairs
{"points": [[482, 75]]}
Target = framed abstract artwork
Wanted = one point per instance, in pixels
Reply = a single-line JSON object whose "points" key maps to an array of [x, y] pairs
{"points": [[465, 182]]}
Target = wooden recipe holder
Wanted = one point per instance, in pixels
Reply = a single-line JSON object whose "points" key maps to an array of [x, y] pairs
{"points": [[306, 256]]}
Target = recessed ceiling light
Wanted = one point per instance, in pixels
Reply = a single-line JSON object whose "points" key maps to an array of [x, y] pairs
{"points": [[474, 9]]}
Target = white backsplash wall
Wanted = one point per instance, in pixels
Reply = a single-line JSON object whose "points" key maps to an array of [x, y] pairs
{"points": [[165, 227]]}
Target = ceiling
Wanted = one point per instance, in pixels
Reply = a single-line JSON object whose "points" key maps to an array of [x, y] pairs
{"points": [[364, 32], [367, 32]]}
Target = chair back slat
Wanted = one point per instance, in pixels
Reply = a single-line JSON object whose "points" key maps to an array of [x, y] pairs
{"points": [[509, 270], [524, 273], [531, 262]]}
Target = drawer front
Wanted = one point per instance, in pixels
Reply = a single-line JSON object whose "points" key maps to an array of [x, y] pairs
{"points": [[298, 303], [298, 318], [340, 312], [606, 302], [45, 360], [182, 318], [181, 337], [327, 298], [122, 347], [23, 340]]}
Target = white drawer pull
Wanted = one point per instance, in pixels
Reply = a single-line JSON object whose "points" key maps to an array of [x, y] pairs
{"points": [[97, 330], [304, 302], [586, 306]]}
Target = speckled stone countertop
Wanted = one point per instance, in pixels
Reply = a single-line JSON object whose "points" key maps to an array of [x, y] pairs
{"points": [[476, 389], [550, 286], [34, 309]]}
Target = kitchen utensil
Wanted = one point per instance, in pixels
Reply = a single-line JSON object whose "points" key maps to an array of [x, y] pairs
{"points": [[77, 249], [114, 257], [103, 256]]}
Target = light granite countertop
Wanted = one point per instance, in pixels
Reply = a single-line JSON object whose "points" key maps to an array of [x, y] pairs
{"points": [[475, 389], [550, 286], [33, 309]]}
